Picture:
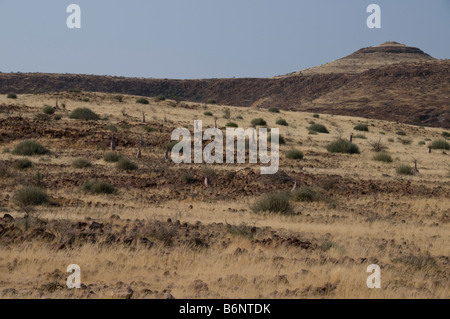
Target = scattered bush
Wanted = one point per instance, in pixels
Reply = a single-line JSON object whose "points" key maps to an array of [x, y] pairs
{"points": [[378, 146], [47, 109], [30, 196], [405, 141], [294, 154], [118, 98], [281, 139], [446, 134], [232, 124], [360, 136], [112, 157], [440, 145], [227, 113], [316, 116], [361, 127], [391, 140], [274, 110], [171, 144], [148, 129], [160, 97], [402, 133], [421, 143], [383, 157], [282, 122], [239, 117], [208, 113], [126, 165], [342, 146], [11, 96], [208, 172], [22, 164], [81, 163], [85, 99], [308, 194], [258, 121], [319, 128], [273, 203], [98, 187], [142, 100], [211, 101], [83, 113], [404, 170], [188, 178], [30, 148]]}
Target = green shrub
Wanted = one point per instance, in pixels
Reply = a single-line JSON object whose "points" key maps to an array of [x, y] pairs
{"points": [[319, 128], [274, 110], [273, 203], [440, 145], [282, 122], [316, 116], [98, 187], [361, 127], [401, 133], [382, 157], [446, 134], [188, 178], [30, 148], [311, 122], [281, 139], [126, 165], [11, 96], [30, 196], [294, 154], [83, 113], [421, 143], [85, 99], [342, 146], [391, 140], [360, 136], [160, 97], [258, 121], [81, 163], [239, 117], [208, 113], [405, 141], [112, 157], [171, 144], [148, 129], [232, 124], [227, 113], [22, 164], [47, 109], [405, 170], [142, 100], [211, 101], [308, 194]]}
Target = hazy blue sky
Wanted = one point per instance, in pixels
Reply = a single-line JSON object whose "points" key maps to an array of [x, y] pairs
{"points": [[208, 38]]}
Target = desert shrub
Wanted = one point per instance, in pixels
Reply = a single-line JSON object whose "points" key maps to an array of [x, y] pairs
{"points": [[319, 128], [391, 140], [405, 141], [85, 99], [378, 146], [239, 117], [208, 172], [241, 231], [111, 127], [148, 129], [281, 139], [118, 98], [404, 170], [47, 109], [81, 163], [30, 196], [112, 157], [316, 116], [361, 127], [22, 164], [98, 187], [258, 121], [342, 146], [421, 143], [11, 96], [440, 145], [30, 148], [126, 165], [382, 157], [188, 178], [446, 134], [232, 124], [208, 113], [83, 113], [274, 110], [360, 136], [294, 154], [401, 133], [282, 122], [211, 101], [308, 194], [311, 122], [273, 203], [171, 144], [160, 97], [230, 175], [227, 113], [142, 100]]}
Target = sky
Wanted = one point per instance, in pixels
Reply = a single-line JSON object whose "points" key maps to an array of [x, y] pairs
{"points": [[192, 39]]}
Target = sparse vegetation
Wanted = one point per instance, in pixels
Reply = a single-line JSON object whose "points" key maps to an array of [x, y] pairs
{"points": [[273, 203], [226, 113], [446, 134], [281, 139], [360, 136], [294, 154], [342, 146], [160, 97], [211, 101], [83, 113], [47, 109], [404, 170], [81, 163], [112, 157], [274, 110], [188, 178], [142, 100], [30, 196], [378, 146], [30, 148], [316, 116], [421, 143], [232, 124], [361, 127], [318, 128], [282, 122], [401, 133], [98, 187], [258, 121], [383, 157], [308, 194], [208, 113], [126, 165], [11, 96], [440, 145], [22, 164]]}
